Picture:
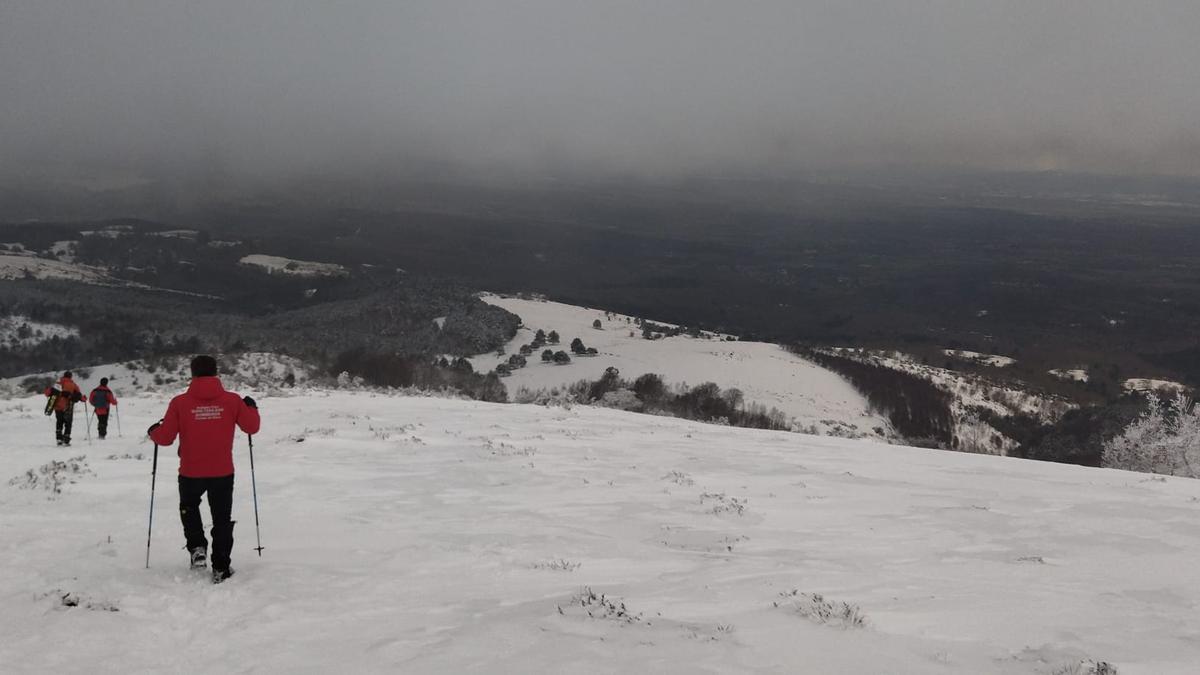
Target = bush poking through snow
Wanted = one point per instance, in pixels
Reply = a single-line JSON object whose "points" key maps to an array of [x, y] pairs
{"points": [[679, 478], [53, 475], [723, 504], [1087, 668], [69, 599], [815, 608], [600, 607], [557, 565]]}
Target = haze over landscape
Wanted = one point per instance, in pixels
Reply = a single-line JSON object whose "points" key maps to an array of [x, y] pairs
{"points": [[223, 91], [678, 336]]}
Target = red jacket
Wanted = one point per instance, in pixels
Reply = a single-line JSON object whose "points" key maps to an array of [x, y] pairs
{"points": [[111, 399], [69, 389], [205, 419]]}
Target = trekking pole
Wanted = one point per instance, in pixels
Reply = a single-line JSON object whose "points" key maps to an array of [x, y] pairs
{"points": [[117, 411], [87, 418], [150, 527], [254, 489]]}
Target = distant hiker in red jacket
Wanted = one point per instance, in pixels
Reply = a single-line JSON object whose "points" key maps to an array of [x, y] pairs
{"points": [[62, 400], [205, 419], [102, 398]]}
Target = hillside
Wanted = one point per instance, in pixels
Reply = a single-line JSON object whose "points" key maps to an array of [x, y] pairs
{"points": [[817, 399], [430, 535]]}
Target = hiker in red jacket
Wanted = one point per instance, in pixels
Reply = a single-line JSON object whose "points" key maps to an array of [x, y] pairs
{"points": [[102, 399], [205, 418], [62, 400]]}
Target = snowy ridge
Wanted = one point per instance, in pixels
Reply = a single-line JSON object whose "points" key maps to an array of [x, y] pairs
{"points": [[816, 399], [262, 371], [427, 535]]}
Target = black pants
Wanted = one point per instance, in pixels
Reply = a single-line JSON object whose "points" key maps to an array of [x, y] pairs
{"points": [[62, 424], [220, 504], [102, 424]]}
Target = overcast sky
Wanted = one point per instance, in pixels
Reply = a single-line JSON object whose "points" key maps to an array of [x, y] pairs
{"points": [[273, 89]]}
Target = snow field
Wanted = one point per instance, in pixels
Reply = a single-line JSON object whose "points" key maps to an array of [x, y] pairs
{"points": [[1149, 385], [816, 398], [425, 535], [287, 266], [21, 266], [1076, 374], [993, 360]]}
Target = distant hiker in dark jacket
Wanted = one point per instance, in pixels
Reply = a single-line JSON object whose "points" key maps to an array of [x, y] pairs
{"points": [[205, 419], [62, 400], [102, 399]]}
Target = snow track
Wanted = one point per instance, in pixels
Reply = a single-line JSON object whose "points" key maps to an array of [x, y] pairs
{"points": [[426, 535]]}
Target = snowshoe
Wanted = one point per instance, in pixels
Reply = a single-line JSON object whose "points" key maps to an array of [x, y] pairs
{"points": [[51, 401], [221, 575], [199, 558]]}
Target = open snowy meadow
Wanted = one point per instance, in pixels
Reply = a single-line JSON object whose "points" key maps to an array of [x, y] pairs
{"points": [[812, 396], [423, 535]]}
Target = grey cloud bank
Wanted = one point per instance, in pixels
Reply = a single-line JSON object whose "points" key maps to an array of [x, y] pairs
{"points": [[268, 90]]}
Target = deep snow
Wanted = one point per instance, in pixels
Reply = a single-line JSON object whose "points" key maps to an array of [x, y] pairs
{"points": [[425, 535]]}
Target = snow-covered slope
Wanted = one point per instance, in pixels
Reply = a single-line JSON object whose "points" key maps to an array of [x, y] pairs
{"points": [[17, 330], [818, 399], [425, 535], [261, 370], [27, 267], [971, 391]]}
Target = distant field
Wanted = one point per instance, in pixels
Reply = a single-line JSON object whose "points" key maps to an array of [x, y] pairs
{"points": [[765, 373]]}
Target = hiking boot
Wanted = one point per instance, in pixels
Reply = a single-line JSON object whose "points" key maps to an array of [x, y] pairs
{"points": [[199, 558], [221, 575]]}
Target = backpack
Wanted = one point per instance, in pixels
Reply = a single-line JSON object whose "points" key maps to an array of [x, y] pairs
{"points": [[100, 399]]}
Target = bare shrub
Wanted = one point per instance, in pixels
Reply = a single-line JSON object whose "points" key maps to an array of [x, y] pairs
{"points": [[815, 608], [557, 565], [1164, 440], [600, 607], [53, 475], [1087, 667]]}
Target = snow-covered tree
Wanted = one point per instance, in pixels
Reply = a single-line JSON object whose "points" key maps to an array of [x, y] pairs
{"points": [[1165, 440]]}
